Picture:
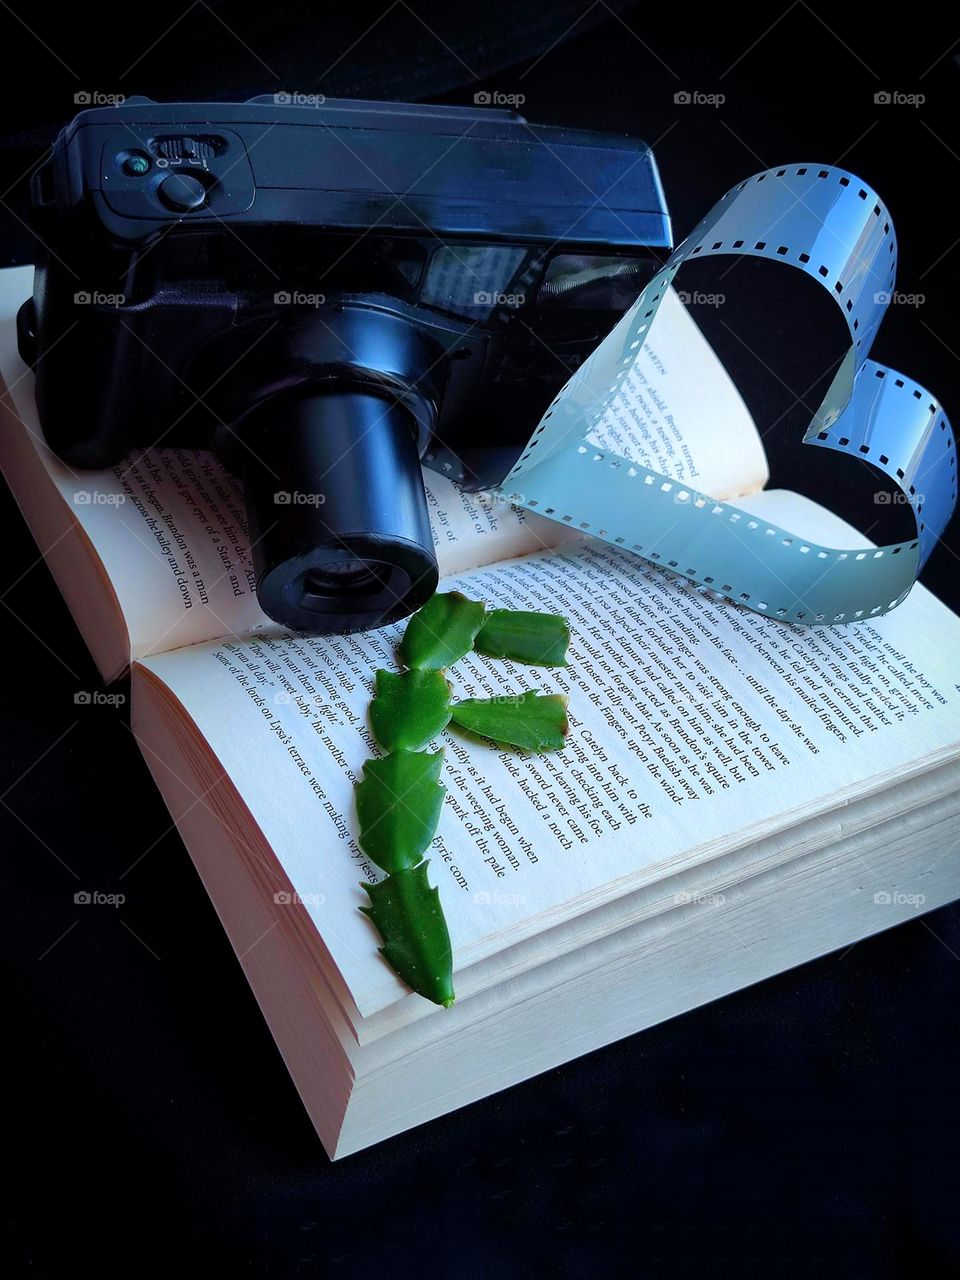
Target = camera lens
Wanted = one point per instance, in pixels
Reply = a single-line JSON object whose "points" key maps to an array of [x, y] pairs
{"points": [[347, 579], [339, 527], [348, 575]]}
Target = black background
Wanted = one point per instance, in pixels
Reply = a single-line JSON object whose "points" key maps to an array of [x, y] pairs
{"points": [[806, 1126]]}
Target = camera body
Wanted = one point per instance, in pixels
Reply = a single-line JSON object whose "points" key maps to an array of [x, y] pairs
{"points": [[327, 293]]}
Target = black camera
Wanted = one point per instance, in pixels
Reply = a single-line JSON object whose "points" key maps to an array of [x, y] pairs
{"points": [[328, 293]]}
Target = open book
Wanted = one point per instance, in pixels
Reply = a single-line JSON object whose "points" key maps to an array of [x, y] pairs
{"points": [[735, 795]]}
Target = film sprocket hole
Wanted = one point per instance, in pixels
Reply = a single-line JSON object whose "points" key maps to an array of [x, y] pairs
{"points": [[328, 294]]}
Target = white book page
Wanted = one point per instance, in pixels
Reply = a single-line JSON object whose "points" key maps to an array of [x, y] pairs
{"points": [[678, 412], [170, 528], [692, 723]]}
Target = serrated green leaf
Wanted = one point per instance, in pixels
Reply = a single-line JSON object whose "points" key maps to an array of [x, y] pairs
{"points": [[533, 721], [398, 807], [537, 638], [416, 943], [410, 709], [442, 632]]}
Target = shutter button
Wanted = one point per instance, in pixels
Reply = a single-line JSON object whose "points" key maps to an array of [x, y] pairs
{"points": [[182, 192]]}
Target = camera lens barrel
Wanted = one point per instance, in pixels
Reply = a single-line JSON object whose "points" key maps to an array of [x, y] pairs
{"points": [[339, 527]]}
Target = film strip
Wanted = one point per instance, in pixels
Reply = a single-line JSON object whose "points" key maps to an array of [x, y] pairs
{"points": [[828, 224]]}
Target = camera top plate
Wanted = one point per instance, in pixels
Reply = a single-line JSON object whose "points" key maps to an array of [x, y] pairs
{"points": [[467, 173]]}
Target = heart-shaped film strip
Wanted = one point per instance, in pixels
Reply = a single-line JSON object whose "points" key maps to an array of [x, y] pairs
{"points": [[828, 224]]}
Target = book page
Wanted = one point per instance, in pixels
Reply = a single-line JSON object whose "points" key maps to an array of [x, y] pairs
{"points": [[693, 724], [169, 524], [678, 412]]}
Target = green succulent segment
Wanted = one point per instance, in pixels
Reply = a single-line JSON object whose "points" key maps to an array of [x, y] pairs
{"points": [[410, 709], [398, 806], [400, 796], [533, 721], [537, 638], [442, 632], [416, 943]]}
